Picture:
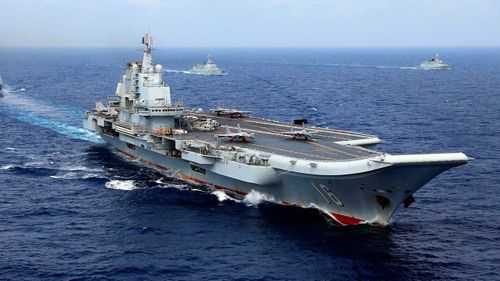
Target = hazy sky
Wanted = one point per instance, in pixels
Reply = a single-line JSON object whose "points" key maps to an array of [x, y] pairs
{"points": [[251, 23]]}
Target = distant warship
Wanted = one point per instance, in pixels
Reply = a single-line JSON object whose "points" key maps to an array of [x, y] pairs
{"points": [[208, 68], [229, 150], [435, 63]]}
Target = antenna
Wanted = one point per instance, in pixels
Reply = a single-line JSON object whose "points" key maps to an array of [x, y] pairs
{"points": [[147, 40]]}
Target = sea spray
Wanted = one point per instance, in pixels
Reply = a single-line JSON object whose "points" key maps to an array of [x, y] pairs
{"points": [[120, 184], [254, 198], [222, 196]]}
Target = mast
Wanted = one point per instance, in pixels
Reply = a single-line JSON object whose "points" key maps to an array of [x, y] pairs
{"points": [[147, 61]]}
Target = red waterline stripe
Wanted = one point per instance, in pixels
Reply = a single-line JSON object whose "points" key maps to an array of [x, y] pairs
{"points": [[185, 177], [144, 160], [346, 220], [241, 193], [127, 154]]}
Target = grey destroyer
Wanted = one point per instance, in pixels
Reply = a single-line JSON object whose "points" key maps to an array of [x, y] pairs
{"points": [[232, 151], [208, 68], [435, 63]]}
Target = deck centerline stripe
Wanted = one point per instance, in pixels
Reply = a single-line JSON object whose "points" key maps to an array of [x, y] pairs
{"points": [[291, 151], [336, 150]]}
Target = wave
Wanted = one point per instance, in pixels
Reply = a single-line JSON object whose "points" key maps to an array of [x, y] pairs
{"points": [[7, 89], [44, 168], [180, 186], [222, 196], [176, 186], [7, 167], [78, 176], [42, 162], [128, 185], [121, 184], [254, 198], [28, 166], [81, 168]]}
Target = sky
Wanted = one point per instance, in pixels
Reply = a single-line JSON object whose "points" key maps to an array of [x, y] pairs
{"points": [[250, 23]]}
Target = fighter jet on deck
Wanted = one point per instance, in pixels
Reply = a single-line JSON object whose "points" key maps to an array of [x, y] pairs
{"points": [[229, 112], [302, 134], [240, 136]]}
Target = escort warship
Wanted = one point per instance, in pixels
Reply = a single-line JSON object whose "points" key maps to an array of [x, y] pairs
{"points": [[435, 63], [208, 68], [229, 150]]}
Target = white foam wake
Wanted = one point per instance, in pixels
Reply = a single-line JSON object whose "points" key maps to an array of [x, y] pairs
{"points": [[81, 168], [38, 113], [179, 186], [176, 71], [192, 73], [8, 89], [77, 176], [120, 184], [7, 167], [222, 196], [62, 128], [254, 198]]}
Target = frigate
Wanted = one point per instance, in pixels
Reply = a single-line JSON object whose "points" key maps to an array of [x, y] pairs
{"points": [[208, 68], [232, 151], [435, 63]]}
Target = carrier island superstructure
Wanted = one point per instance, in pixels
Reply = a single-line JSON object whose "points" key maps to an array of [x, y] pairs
{"points": [[229, 150]]}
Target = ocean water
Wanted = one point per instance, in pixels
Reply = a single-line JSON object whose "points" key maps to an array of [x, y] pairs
{"points": [[70, 208]]}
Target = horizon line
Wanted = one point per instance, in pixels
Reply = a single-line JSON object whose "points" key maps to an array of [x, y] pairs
{"points": [[252, 47]]}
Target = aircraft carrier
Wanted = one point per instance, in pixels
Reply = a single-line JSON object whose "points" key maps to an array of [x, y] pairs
{"points": [[229, 150]]}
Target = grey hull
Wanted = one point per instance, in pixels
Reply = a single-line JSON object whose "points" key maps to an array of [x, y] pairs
{"points": [[370, 197]]}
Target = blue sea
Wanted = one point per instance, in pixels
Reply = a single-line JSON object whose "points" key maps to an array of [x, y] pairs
{"points": [[72, 209]]}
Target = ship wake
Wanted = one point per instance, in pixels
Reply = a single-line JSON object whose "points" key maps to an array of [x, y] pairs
{"points": [[35, 112], [191, 73], [361, 66]]}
